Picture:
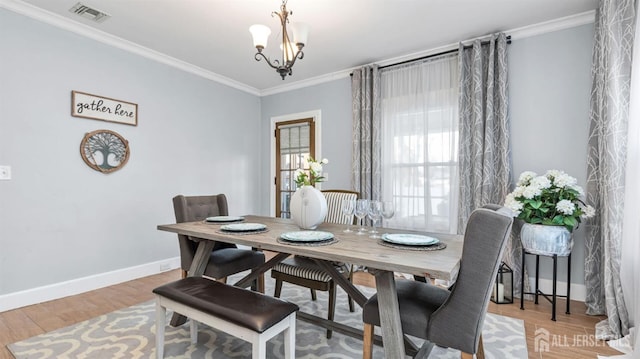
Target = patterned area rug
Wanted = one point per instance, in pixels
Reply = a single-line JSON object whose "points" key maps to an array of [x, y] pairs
{"points": [[130, 333]]}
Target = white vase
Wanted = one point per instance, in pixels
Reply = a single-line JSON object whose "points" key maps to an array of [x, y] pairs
{"points": [[308, 207], [546, 240]]}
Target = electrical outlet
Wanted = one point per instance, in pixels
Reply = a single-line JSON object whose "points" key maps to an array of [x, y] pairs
{"points": [[5, 172]]}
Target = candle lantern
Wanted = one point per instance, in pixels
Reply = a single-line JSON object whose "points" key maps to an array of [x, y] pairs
{"points": [[503, 288]]}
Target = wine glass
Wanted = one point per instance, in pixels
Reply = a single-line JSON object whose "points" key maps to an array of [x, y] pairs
{"points": [[374, 213], [348, 207], [388, 209], [362, 208]]}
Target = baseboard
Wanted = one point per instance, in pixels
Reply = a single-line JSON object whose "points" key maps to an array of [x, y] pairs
{"points": [[578, 291], [86, 284]]}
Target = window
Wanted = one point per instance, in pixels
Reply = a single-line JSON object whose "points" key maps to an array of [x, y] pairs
{"points": [[419, 115]]}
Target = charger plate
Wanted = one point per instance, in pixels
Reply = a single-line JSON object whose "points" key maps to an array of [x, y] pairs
{"points": [[433, 247], [309, 244]]}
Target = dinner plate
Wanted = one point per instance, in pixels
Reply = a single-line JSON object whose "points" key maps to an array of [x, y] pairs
{"points": [[224, 219], [306, 236], [409, 239], [243, 227]]}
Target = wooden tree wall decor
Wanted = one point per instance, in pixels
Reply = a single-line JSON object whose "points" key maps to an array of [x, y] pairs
{"points": [[104, 150]]}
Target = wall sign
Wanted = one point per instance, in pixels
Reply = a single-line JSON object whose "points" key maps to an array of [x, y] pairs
{"points": [[104, 151], [103, 108]]}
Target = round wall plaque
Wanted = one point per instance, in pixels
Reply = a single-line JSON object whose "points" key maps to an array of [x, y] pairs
{"points": [[104, 150]]}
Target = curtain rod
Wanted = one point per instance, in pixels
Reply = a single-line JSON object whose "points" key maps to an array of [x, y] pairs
{"points": [[438, 54]]}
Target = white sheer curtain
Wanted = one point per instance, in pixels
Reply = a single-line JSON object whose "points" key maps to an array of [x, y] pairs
{"points": [[419, 106]]}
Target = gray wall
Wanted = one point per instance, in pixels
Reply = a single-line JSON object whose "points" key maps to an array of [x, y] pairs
{"points": [[549, 86], [333, 99], [61, 220]]}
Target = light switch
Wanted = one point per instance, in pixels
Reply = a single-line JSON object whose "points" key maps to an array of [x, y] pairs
{"points": [[5, 172]]}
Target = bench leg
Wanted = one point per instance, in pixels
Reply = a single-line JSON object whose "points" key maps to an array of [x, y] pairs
{"points": [[259, 348], [161, 318], [193, 326], [290, 338]]}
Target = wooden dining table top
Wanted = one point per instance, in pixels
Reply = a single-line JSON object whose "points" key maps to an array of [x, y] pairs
{"points": [[349, 247]]}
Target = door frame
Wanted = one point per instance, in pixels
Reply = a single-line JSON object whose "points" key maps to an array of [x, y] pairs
{"points": [[316, 116]]}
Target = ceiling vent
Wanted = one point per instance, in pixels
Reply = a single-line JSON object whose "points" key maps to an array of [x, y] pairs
{"points": [[89, 13]]}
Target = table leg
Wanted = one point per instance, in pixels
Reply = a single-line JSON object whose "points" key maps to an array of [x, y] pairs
{"points": [[392, 336], [198, 265], [569, 284]]}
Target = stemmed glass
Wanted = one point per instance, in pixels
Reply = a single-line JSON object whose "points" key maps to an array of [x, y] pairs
{"points": [[374, 213], [388, 209], [348, 207], [362, 208]]}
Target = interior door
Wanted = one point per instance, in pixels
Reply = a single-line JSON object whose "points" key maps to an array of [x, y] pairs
{"points": [[295, 141]]}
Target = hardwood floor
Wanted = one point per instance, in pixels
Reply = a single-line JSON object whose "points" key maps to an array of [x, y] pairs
{"points": [[570, 337]]}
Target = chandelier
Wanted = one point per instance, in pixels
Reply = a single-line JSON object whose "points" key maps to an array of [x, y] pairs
{"points": [[291, 51]]}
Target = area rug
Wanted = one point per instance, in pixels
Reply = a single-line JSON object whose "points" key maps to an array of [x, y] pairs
{"points": [[130, 333]]}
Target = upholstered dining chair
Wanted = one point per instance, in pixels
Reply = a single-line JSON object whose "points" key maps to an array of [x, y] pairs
{"points": [[305, 272], [451, 318], [225, 259]]}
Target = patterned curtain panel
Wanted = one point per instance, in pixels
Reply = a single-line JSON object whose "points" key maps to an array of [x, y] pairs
{"points": [[366, 166], [484, 126], [485, 150], [611, 72]]}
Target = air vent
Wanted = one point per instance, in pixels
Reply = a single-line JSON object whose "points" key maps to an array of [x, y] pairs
{"points": [[89, 13]]}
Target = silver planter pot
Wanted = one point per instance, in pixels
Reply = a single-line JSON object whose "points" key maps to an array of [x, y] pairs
{"points": [[546, 240]]}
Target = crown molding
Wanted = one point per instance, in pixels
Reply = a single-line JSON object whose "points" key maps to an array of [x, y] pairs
{"points": [[92, 33], [108, 39], [553, 25], [517, 33]]}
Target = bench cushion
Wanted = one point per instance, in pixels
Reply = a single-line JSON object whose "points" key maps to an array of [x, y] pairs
{"points": [[243, 307]]}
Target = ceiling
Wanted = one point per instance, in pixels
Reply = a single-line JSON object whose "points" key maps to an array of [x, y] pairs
{"points": [[213, 34]]}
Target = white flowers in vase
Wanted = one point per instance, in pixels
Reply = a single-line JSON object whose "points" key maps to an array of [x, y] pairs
{"points": [[311, 176], [552, 199]]}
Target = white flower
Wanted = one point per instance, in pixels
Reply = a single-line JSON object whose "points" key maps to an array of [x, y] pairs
{"points": [[531, 191], [541, 182], [525, 177], [315, 167], [564, 180], [324, 161], [554, 173], [517, 192], [565, 207], [588, 212], [513, 204], [298, 173]]}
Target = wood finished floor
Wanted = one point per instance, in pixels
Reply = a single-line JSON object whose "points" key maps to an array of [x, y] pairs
{"points": [[23, 323]]}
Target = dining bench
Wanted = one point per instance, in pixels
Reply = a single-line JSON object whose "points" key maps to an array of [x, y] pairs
{"points": [[245, 314]]}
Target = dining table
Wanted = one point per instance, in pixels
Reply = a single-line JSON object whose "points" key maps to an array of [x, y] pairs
{"points": [[381, 258]]}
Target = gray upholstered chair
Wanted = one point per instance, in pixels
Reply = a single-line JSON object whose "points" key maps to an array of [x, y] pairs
{"points": [[452, 318], [226, 259], [305, 272]]}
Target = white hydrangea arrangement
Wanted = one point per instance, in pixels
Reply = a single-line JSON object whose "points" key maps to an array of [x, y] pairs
{"points": [[311, 176], [552, 199]]}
